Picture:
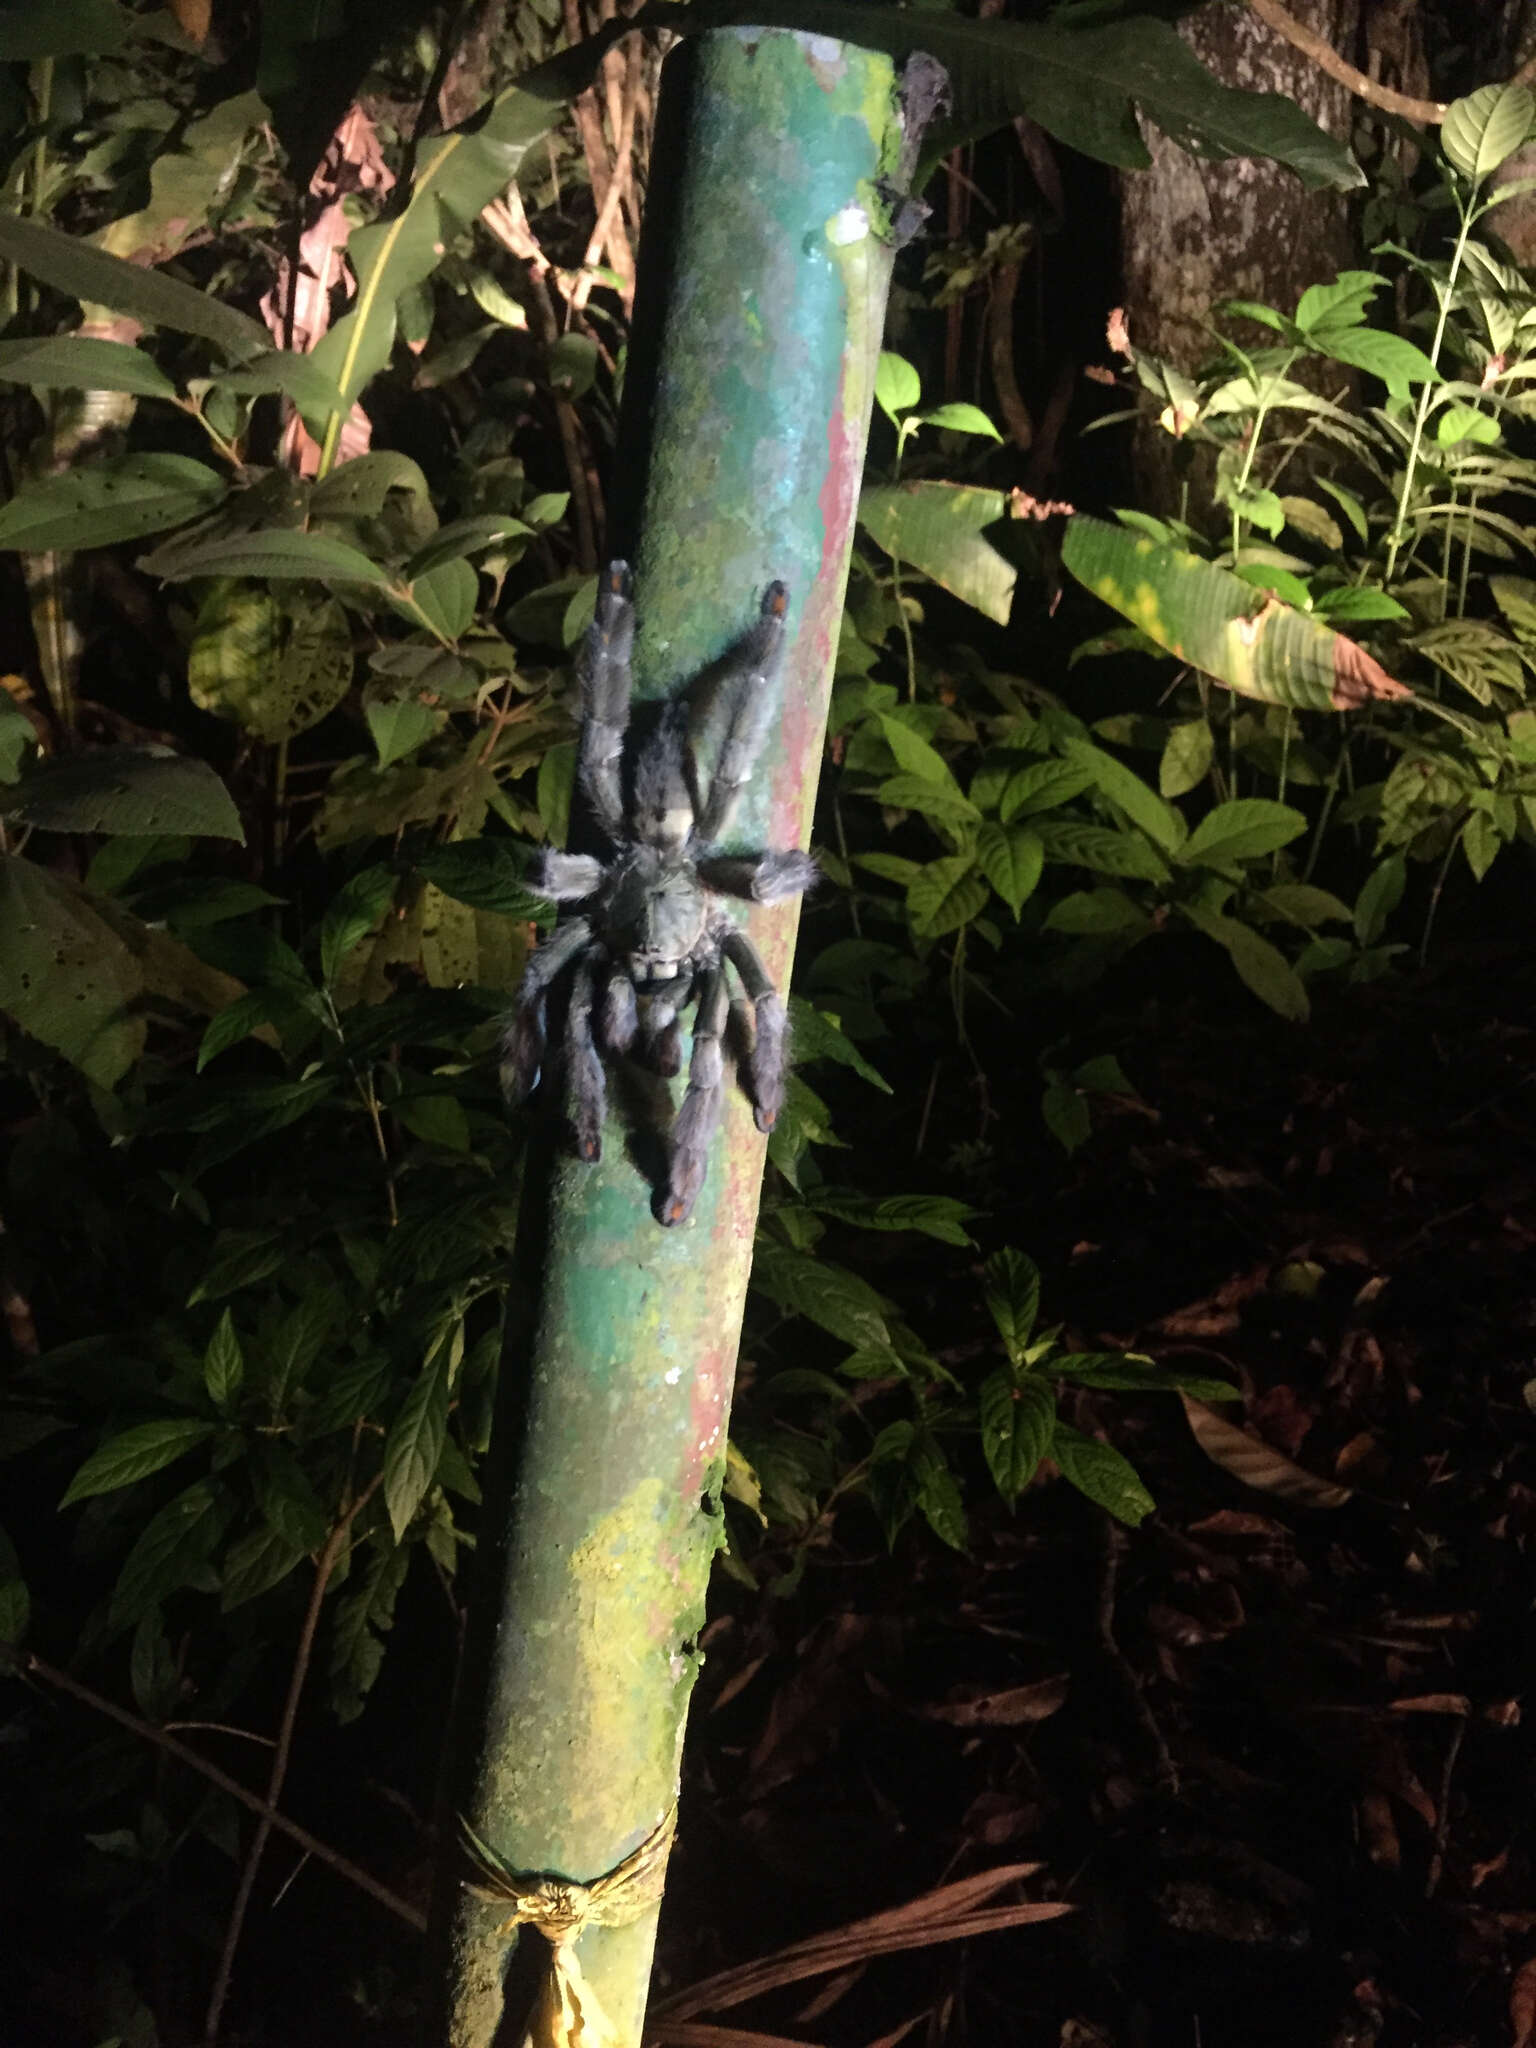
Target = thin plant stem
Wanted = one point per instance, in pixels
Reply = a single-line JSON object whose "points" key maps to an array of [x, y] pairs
{"points": [[1445, 293], [43, 93], [62, 1681], [1466, 559], [325, 1565], [1434, 897], [1330, 791]]}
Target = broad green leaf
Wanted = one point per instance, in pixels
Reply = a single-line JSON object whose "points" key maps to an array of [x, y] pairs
{"points": [[287, 1500], [223, 1363], [1315, 521], [15, 1611], [254, 1564], [1263, 967], [915, 755], [436, 1120], [1212, 619], [1300, 903], [1358, 601], [464, 537], [1011, 1281], [945, 894], [1100, 1472], [1123, 1373], [259, 1009], [815, 1036], [838, 1300], [17, 734], [135, 1454], [99, 503], [294, 374], [414, 1446], [1017, 1421], [399, 725], [1011, 857], [1067, 1116], [98, 279], [443, 599], [487, 874], [1094, 846], [65, 976], [1186, 757], [1480, 131], [1480, 842], [938, 1492], [361, 488], [937, 527], [361, 1618], [1143, 806], [137, 790], [1379, 896], [960, 418], [944, 804], [351, 915], [82, 362], [172, 1551], [274, 554], [1095, 911], [1397, 362], [1042, 786], [275, 668], [1341, 302], [897, 385], [939, 1216], [193, 180], [1462, 423], [1242, 829], [61, 28]]}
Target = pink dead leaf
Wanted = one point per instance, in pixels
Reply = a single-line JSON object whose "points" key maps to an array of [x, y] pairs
{"points": [[1522, 2005], [1011, 1708], [1357, 678], [1258, 1464], [1434, 1703]]}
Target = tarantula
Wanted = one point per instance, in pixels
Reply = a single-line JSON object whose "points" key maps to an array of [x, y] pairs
{"points": [[651, 934]]}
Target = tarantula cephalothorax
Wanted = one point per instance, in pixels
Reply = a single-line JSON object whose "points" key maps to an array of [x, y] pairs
{"points": [[651, 934]]}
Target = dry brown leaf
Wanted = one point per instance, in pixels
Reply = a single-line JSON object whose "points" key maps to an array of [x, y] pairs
{"points": [[900, 2033], [193, 18], [1379, 1831], [1010, 1708], [1522, 2004], [1434, 1703], [1256, 1463]]}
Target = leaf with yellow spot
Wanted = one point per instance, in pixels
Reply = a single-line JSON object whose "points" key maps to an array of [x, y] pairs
{"points": [[1258, 647]]}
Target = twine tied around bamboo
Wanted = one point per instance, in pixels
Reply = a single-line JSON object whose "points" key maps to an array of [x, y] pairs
{"points": [[567, 2012]]}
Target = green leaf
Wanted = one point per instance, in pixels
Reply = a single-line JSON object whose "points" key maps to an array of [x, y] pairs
{"points": [[82, 362], [939, 1216], [897, 385], [1480, 131], [138, 790], [414, 1446], [486, 873], [399, 725], [351, 915], [436, 1120], [557, 781], [938, 1493], [1242, 829], [1398, 363], [1261, 966], [172, 1551], [275, 668], [1300, 904], [223, 1363], [17, 733], [260, 1560], [135, 1453], [1207, 617], [915, 756], [1100, 1472], [959, 418], [1095, 911], [443, 599], [1067, 1116], [295, 375], [464, 537], [828, 1295], [1125, 854], [15, 1612], [1160, 821], [1480, 842], [945, 806], [815, 1036], [65, 975], [1461, 423], [249, 1013], [276, 554], [61, 28], [1011, 858], [1379, 896], [1186, 757], [1121, 1372], [1018, 1418], [97, 279], [945, 894], [1011, 1282], [1042, 786], [1358, 601], [289, 1504], [99, 503], [937, 528]]}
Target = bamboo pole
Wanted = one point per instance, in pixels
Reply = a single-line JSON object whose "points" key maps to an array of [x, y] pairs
{"points": [[780, 163]]}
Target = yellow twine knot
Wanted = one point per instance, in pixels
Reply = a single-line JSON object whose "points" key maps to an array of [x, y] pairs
{"points": [[567, 2012]]}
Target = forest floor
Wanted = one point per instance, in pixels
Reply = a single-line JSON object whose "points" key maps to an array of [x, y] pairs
{"points": [[1273, 1749]]}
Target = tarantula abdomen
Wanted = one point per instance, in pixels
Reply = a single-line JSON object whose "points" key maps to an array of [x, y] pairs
{"points": [[651, 934]]}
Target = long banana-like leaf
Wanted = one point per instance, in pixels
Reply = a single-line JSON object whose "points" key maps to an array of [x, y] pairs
{"points": [[1215, 621]]}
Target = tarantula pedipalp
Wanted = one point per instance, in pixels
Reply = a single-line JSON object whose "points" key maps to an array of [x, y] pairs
{"points": [[652, 934]]}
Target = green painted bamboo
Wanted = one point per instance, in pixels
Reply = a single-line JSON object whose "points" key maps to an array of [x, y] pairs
{"points": [[763, 286]]}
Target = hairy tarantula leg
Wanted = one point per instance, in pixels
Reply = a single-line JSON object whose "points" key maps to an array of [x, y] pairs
{"points": [[603, 673], [769, 1056], [522, 1040], [760, 878], [621, 1014], [750, 671], [700, 1113], [565, 877], [589, 1084]]}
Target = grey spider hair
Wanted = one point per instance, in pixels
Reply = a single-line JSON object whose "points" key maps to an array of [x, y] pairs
{"points": [[651, 934]]}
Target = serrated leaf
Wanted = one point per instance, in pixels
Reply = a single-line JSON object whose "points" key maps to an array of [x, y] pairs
{"points": [[939, 1216], [1258, 1464], [828, 1295], [98, 279], [96, 504], [1096, 847], [1099, 1471], [288, 1502], [125, 789], [258, 1561], [223, 1363], [414, 1445], [945, 894], [135, 1453], [352, 913], [1012, 859], [917, 757], [1017, 1421], [443, 598], [1242, 829], [1011, 1282], [172, 1551], [944, 804], [399, 725], [82, 362]]}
